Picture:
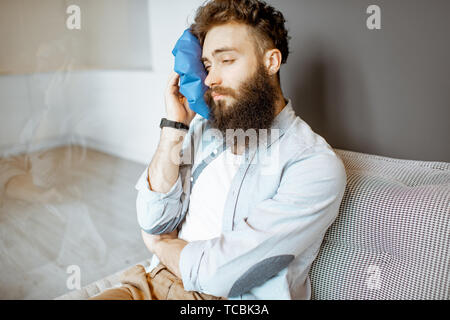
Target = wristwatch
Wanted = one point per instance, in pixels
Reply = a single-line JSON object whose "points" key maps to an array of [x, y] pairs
{"points": [[172, 124]]}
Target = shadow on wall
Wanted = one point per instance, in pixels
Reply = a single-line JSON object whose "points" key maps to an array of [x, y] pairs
{"points": [[322, 98]]}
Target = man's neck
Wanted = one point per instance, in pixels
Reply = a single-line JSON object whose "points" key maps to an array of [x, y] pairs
{"points": [[280, 103]]}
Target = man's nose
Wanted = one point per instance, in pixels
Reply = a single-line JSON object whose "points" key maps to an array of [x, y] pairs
{"points": [[213, 79]]}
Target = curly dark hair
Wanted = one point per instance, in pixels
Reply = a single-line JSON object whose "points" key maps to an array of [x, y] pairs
{"points": [[267, 23]]}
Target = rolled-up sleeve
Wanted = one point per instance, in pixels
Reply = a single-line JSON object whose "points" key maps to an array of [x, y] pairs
{"points": [[276, 231], [160, 213], [157, 212]]}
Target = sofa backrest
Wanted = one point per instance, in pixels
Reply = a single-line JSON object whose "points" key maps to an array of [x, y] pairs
{"points": [[391, 239]]}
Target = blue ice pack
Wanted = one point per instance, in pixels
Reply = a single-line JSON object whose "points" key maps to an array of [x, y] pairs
{"points": [[188, 65]]}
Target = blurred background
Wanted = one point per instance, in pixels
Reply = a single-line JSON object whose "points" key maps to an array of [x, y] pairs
{"points": [[80, 112]]}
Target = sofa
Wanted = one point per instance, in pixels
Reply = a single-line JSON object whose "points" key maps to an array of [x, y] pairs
{"points": [[391, 239]]}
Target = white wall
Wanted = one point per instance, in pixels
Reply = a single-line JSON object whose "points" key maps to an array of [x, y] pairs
{"points": [[117, 111], [34, 36]]}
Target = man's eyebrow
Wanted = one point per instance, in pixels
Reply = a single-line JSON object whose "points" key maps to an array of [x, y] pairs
{"points": [[217, 51]]}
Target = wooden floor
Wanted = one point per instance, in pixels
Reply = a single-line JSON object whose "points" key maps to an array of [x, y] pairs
{"points": [[88, 220]]}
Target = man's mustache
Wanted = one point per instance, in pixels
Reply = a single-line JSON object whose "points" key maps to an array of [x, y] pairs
{"points": [[220, 90]]}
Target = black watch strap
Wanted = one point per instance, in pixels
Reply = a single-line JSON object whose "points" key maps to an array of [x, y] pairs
{"points": [[173, 124]]}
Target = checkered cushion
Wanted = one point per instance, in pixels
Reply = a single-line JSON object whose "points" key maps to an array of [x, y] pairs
{"points": [[391, 239]]}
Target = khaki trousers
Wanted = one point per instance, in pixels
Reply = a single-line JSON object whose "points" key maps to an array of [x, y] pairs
{"points": [[159, 284]]}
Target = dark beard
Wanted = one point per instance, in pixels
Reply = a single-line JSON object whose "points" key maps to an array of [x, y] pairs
{"points": [[254, 107]]}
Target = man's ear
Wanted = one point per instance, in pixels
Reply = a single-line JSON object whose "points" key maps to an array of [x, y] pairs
{"points": [[272, 61]]}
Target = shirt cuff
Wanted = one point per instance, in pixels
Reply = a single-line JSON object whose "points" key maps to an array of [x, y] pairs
{"points": [[189, 264]]}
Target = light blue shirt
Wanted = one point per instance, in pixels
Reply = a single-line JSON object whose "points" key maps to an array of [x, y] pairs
{"points": [[281, 201]]}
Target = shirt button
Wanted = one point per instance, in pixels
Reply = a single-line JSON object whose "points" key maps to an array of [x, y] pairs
{"points": [[192, 179]]}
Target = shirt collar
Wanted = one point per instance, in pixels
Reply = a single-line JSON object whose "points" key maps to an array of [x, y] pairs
{"points": [[280, 124], [285, 118]]}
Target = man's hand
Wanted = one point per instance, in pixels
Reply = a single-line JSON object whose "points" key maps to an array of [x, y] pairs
{"points": [[177, 106], [167, 247], [152, 240]]}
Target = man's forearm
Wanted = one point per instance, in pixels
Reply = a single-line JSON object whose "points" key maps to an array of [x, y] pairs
{"points": [[164, 168], [168, 251]]}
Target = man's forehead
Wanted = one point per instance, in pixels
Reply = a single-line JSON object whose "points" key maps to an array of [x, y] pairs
{"points": [[229, 37], [221, 50]]}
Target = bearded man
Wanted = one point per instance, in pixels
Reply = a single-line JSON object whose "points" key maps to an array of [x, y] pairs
{"points": [[222, 226]]}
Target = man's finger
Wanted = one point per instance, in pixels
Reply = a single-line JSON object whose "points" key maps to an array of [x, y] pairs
{"points": [[173, 79]]}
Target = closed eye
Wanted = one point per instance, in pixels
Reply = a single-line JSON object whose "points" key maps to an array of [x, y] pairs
{"points": [[223, 61]]}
